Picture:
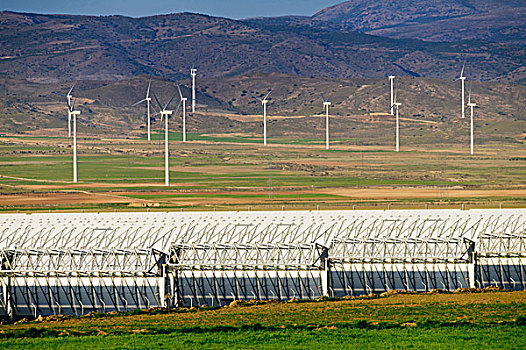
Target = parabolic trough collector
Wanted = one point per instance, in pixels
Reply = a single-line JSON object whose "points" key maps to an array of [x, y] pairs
{"points": [[75, 263]]}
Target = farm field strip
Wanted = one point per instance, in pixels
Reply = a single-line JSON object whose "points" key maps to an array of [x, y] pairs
{"points": [[490, 319], [238, 174]]}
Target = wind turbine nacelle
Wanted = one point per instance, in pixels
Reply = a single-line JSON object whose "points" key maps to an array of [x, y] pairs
{"points": [[75, 112], [167, 112], [391, 77]]}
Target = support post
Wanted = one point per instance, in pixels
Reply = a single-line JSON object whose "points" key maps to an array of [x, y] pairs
{"points": [[325, 273]]}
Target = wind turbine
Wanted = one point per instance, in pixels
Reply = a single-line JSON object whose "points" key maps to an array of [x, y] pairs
{"points": [[164, 112], [147, 99], [397, 106], [68, 98], [183, 101], [391, 80], [326, 104], [264, 102], [73, 113], [193, 73], [462, 78], [470, 106]]}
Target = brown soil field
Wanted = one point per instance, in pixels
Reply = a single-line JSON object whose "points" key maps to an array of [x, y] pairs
{"points": [[174, 197], [38, 199], [100, 185], [390, 193]]}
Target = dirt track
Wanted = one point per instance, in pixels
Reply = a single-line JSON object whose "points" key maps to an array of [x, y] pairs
{"points": [[71, 196]]}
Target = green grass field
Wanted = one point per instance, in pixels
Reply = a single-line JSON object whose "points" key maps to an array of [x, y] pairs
{"points": [[427, 321], [231, 174]]}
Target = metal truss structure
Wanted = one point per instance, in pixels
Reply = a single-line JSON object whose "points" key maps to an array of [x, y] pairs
{"points": [[77, 263]]}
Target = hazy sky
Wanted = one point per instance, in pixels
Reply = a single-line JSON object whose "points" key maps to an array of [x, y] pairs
{"points": [[138, 8]]}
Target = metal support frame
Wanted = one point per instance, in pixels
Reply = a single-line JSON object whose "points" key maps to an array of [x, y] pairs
{"points": [[77, 263]]}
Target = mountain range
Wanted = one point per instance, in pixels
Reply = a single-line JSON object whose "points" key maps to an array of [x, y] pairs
{"points": [[445, 20], [353, 39]]}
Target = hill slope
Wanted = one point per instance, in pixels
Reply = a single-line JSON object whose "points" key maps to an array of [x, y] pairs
{"points": [[443, 20], [62, 47], [430, 110]]}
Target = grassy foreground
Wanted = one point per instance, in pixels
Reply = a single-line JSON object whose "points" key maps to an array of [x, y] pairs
{"points": [[430, 321]]}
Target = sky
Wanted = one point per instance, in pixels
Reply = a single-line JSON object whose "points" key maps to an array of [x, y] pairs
{"points": [[236, 9]]}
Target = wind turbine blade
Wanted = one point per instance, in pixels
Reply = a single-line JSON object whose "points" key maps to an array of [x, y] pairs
{"points": [[170, 100], [75, 83], [58, 93], [268, 94], [73, 107], [180, 93], [148, 91], [323, 98], [196, 59], [257, 98], [157, 100], [136, 103], [462, 71], [178, 106]]}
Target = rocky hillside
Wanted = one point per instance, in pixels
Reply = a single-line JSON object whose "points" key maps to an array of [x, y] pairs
{"points": [[443, 20], [50, 48]]}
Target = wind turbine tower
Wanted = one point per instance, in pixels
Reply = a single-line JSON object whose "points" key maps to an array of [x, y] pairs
{"points": [[391, 80], [165, 113], [326, 104], [264, 102], [183, 101], [193, 73], [73, 114], [147, 99], [397, 106], [471, 106]]}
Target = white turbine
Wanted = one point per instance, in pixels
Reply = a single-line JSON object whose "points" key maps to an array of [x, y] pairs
{"points": [[183, 101], [391, 80], [326, 105], [462, 78], [147, 99], [164, 112], [68, 97], [471, 106], [397, 106], [73, 113], [193, 73], [264, 102]]}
